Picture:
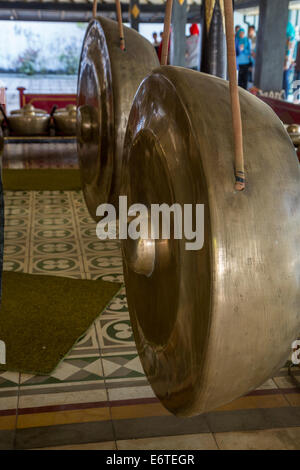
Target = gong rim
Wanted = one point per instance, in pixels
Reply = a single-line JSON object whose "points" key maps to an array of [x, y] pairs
{"points": [[211, 353], [95, 117], [107, 82]]}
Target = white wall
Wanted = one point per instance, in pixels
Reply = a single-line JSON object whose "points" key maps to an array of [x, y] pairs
{"points": [[50, 38]]}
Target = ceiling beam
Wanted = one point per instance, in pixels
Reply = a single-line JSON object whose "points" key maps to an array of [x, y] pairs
{"points": [[243, 4], [76, 7], [150, 13]]}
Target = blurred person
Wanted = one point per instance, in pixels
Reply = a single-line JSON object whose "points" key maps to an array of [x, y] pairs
{"points": [[156, 42], [237, 28], [161, 45], [252, 38], [192, 52], [297, 73], [289, 58], [243, 58]]}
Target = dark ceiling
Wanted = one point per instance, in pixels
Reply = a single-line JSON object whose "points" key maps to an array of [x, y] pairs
{"points": [[68, 10]]}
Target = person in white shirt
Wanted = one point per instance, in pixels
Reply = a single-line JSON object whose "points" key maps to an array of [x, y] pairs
{"points": [[192, 54]]}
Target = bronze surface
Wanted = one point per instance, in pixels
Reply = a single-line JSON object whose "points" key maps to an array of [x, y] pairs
{"points": [[214, 324], [108, 80], [294, 133], [29, 121], [65, 120]]}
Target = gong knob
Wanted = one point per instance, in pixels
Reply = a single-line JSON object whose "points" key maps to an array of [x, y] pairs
{"points": [[141, 256], [87, 124], [293, 129]]}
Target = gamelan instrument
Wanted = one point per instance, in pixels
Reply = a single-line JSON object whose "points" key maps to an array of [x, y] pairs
{"points": [[108, 80], [213, 324]]}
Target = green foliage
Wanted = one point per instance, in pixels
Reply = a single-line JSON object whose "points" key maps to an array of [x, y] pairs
{"points": [[27, 61], [69, 58]]}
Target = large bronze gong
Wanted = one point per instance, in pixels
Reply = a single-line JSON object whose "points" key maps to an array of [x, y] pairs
{"points": [[108, 80], [213, 324]]}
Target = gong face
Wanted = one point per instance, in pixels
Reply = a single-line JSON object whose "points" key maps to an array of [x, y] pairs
{"points": [[108, 80], [211, 324], [95, 118]]}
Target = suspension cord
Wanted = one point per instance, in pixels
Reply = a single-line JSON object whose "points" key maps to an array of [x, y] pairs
{"points": [[120, 23], [95, 3], [235, 99], [167, 31]]}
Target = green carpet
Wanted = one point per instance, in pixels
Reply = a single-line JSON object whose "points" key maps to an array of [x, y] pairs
{"points": [[42, 317], [41, 180]]}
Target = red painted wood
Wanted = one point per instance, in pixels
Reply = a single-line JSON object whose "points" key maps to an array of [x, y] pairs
{"points": [[46, 101], [289, 113]]}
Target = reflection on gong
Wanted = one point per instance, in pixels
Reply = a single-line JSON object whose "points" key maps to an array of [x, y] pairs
{"points": [[219, 322], [108, 80]]}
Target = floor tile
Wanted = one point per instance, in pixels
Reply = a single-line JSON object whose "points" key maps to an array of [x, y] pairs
{"points": [[54, 418], [51, 232], [285, 382], [68, 434], [125, 366], [90, 446], [8, 422], [253, 419], [75, 380], [9, 390], [293, 398], [271, 439], [117, 392], [142, 409], [7, 440], [256, 401], [189, 442], [156, 426], [268, 385]]}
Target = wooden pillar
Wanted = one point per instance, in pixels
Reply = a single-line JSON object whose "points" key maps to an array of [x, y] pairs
{"points": [[134, 14], [271, 43], [213, 60], [178, 36]]}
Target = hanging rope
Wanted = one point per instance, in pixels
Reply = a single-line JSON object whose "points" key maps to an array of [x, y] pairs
{"points": [[235, 100], [120, 23], [166, 35], [95, 2]]}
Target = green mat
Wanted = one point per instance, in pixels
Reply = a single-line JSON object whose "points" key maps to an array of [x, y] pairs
{"points": [[42, 317], [41, 180]]}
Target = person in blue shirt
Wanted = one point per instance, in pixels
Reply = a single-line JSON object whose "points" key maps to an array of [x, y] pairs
{"points": [[243, 58], [289, 58], [237, 28], [252, 38]]}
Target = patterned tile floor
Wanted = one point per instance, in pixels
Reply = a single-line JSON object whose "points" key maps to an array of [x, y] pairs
{"points": [[99, 397]]}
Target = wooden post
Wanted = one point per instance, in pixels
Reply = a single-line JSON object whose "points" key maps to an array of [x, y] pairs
{"points": [[235, 99], [120, 23], [95, 2], [166, 35]]}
